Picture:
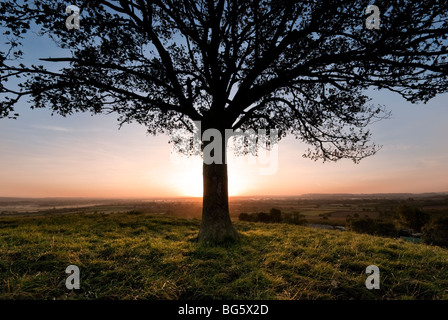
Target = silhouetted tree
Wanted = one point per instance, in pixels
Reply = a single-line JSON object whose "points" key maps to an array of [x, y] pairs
{"points": [[299, 67], [436, 231], [243, 216], [275, 215], [412, 217], [263, 217]]}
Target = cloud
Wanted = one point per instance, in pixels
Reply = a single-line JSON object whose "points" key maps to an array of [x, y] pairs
{"points": [[53, 128]]}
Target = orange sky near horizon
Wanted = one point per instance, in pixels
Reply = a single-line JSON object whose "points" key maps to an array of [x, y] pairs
{"points": [[84, 156]]}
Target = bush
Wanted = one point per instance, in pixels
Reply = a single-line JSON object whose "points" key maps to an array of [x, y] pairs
{"points": [[370, 226], [245, 217], [271, 217], [436, 232], [385, 229], [412, 217], [325, 216], [294, 218], [362, 225], [275, 215], [135, 212], [262, 217]]}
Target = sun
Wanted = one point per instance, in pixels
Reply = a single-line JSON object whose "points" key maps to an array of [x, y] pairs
{"points": [[187, 179]]}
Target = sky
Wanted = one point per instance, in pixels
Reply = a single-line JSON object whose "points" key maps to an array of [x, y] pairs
{"points": [[88, 156]]}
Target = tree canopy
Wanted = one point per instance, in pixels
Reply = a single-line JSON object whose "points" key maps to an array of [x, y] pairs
{"points": [[301, 67]]}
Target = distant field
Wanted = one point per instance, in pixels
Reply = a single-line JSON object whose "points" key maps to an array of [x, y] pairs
{"points": [[335, 207], [143, 256]]}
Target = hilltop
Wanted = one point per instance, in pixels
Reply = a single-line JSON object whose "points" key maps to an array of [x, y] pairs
{"points": [[143, 256]]}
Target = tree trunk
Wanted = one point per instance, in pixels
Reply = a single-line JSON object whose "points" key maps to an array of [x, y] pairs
{"points": [[216, 226]]}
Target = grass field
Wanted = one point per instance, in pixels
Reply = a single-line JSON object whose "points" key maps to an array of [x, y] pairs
{"points": [[142, 256]]}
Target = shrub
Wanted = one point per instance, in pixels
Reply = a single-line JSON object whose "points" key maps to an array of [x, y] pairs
{"points": [[262, 217], [243, 216], [275, 215], [384, 228], [436, 232], [362, 225], [370, 226], [412, 217], [135, 212], [294, 218], [325, 216]]}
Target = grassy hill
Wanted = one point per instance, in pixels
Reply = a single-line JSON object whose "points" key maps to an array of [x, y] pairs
{"points": [[141, 256]]}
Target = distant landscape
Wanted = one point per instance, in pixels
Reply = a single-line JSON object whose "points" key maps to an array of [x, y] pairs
{"points": [[147, 249], [341, 211], [330, 209], [310, 205]]}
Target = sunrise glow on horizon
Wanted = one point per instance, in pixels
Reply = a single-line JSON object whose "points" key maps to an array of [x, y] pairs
{"points": [[85, 156]]}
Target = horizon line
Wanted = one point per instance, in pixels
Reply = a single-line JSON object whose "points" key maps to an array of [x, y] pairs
{"points": [[236, 196]]}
